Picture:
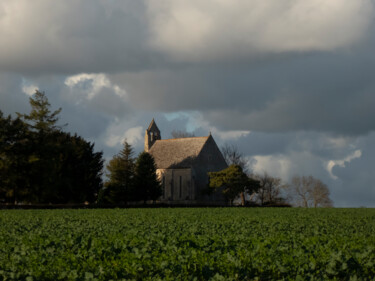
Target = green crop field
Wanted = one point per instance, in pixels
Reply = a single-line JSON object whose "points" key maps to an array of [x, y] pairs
{"points": [[188, 244]]}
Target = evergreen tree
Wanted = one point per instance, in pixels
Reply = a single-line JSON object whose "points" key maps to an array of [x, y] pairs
{"points": [[147, 185], [42, 122], [41, 119], [76, 170], [15, 160], [39, 163], [233, 181], [118, 188]]}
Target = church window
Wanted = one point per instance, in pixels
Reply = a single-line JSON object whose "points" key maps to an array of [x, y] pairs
{"points": [[172, 188], [180, 186], [163, 186], [209, 157]]}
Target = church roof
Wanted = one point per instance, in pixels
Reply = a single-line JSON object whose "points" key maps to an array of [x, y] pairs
{"points": [[177, 153]]}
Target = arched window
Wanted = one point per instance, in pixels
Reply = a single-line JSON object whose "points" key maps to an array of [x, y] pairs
{"points": [[163, 186], [180, 187]]}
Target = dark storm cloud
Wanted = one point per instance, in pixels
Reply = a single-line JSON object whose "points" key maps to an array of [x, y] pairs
{"points": [[320, 92], [268, 71], [74, 36], [298, 74], [344, 164], [357, 176], [11, 97]]}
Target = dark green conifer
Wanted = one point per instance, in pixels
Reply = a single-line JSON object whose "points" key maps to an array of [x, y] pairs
{"points": [[118, 188], [147, 184]]}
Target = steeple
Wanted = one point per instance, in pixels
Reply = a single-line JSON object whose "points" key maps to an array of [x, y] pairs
{"points": [[152, 135]]}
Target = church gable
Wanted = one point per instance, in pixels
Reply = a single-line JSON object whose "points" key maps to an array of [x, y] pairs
{"points": [[211, 157]]}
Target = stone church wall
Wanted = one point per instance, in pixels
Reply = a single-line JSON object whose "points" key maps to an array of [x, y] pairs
{"points": [[209, 160], [178, 184]]}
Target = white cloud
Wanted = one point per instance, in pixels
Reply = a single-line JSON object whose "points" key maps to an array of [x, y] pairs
{"points": [[96, 92], [338, 142], [116, 134], [229, 135], [215, 29], [290, 163], [28, 87], [91, 84], [275, 165], [133, 135], [195, 120], [342, 162], [176, 115]]}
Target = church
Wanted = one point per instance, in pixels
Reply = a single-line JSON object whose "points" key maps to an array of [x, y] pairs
{"points": [[183, 165]]}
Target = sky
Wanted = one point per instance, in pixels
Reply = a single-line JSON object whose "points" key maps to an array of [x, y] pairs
{"points": [[291, 83]]}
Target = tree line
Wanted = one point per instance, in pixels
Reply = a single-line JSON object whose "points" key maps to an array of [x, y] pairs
{"points": [[130, 179], [40, 163], [263, 189]]}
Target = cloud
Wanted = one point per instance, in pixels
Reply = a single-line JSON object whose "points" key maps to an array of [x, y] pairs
{"points": [[350, 180], [238, 29], [228, 135], [97, 91], [268, 70], [28, 88], [116, 136], [275, 165], [12, 96], [73, 36], [89, 36], [311, 93], [92, 84], [290, 82], [195, 122], [356, 178], [133, 135], [342, 162]]}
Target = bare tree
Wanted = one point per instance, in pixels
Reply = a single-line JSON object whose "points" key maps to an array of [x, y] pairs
{"points": [[309, 192], [233, 156], [301, 188], [320, 195], [270, 189], [176, 134]]}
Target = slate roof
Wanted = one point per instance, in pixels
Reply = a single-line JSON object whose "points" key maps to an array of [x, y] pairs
{"points": [[177, 153]]}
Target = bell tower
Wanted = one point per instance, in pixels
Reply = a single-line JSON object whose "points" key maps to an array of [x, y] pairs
{"points": [[152, 135]]}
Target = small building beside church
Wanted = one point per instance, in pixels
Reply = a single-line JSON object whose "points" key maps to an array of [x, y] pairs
{"points": [[183, 165]]}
